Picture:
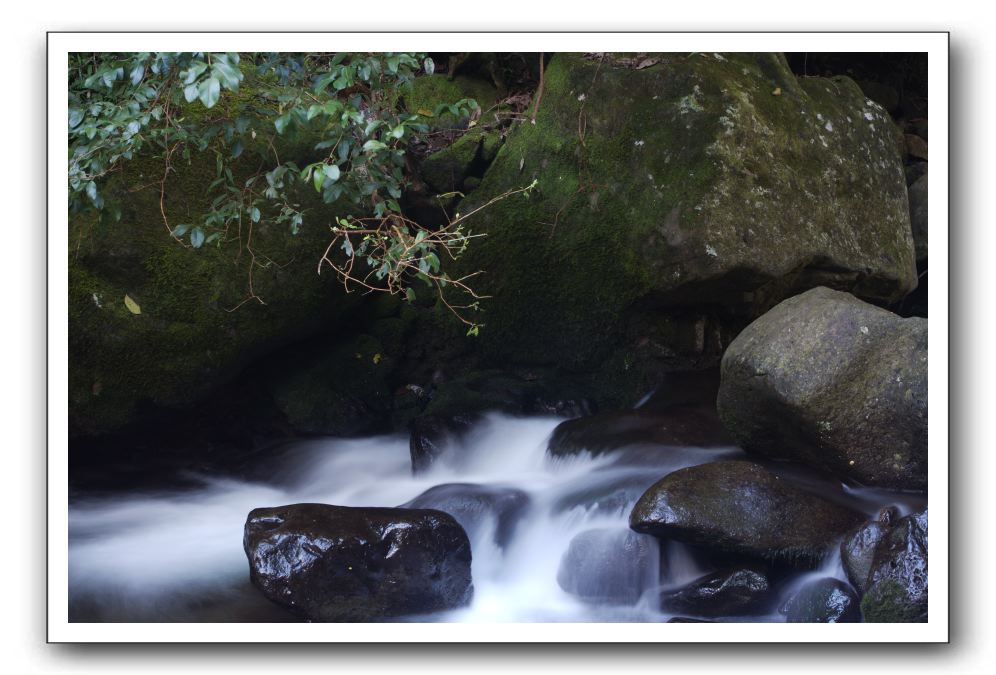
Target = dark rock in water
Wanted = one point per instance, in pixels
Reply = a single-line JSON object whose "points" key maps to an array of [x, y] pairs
{"points": [[430, 434], [826, 600], [474, 505], [609, 565], [916, 147], [857, 551], [829, 381], [918, 215], [337, 563], [608, 496], [897, 582], [674, 427], [739, 508], [685, 619], [735, 592]]}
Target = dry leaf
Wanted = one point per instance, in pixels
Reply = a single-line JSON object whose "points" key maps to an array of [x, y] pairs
{"points": [[376, 359], [132, 305], [777, 91], [646, 63], [425, 113]]}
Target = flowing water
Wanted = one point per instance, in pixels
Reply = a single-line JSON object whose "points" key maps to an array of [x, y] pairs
{"points": [[176, 555]]}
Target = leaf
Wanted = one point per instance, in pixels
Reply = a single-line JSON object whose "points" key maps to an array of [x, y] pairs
{"points": [[377, 357], [254, 214], [373, 146], [196, 237], [190, 93], [332, 172], [210, 90], [319, 177], [180, 230], [777, 91], [137, 73], [410, 294], [646, 63], [426, 113], [75, 117], [473, 331], [132, 305], [281, 123], [429, 66]]}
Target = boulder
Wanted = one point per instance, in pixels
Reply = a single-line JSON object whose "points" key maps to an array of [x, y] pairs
{"points": [[431, 435], [608, 565], [740, 508], [825, 600], [735, 592], [475, 506], [606, 492], [894, 582], [830, 381], [675, 200], [337, 563]]}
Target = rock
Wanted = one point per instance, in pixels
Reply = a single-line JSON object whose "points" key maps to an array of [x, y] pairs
{"points": [[835, 383], [739, 508], [685, 619], [688, 186], [883, 94], [449, 169], [431, 435], [606, 493], [337, 563], [857, 551], [826, 600], [916, 147], [678, 426], [185, 344], [426, 93], [735, 592], [918, 215], [914, 171], [476, 506], [612, 566], [896, 581]]}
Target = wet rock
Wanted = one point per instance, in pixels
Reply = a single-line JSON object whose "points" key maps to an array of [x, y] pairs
{"points": [[897, 581], [337, 563], [830, 381], [431, 434], [677, 426], [739, 508], [735, 592], [609, 565], [857, 551], [826, 600], [475, 506], [918, 215], [606, 494], [685, 619]]}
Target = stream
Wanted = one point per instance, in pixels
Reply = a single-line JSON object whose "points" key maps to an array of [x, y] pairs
{"points": [[176, 554]]}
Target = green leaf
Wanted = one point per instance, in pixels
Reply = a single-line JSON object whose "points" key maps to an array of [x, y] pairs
{"points": [[319, 177], [137, 73], [254, 214], [473, 331], [190, 93], [373, 146], [410, 294], [281, 123], [332, 172], [196, 237], [132, 305], [209, 91], [180, 230], [75, 117]]}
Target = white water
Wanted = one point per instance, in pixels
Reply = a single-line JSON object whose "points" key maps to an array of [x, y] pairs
{"points": [[177, 556]]}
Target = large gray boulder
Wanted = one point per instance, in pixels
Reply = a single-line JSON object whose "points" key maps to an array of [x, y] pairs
{"points": [[739, 508], [833, 382], [338, 563], [703, 180]]}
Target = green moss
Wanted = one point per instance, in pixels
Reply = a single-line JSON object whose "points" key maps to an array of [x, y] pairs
{"points": [[426, 93], [888, 602]]}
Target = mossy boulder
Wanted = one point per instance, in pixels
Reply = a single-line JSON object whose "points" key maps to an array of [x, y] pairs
{"points": [[428, 92], [897, 583], [198, 324], [826, 600], [704, 181], [739, 508], [449, 169], [833, 382]]}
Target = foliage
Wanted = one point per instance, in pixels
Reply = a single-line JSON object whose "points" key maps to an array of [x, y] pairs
{"points": [[344, 106]]}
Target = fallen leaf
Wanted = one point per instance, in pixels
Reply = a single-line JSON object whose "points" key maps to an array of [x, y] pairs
{"points": [[132, 305], [777, 91], [376, 359], [425, 113], [646, 63]]}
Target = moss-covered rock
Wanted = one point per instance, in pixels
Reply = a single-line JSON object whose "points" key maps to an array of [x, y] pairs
{"points": [[196, 328], [833, 382], [451, 168], [428, 92], [703, 181]]}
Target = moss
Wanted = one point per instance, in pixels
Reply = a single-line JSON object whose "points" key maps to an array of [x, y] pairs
{"points": [[888, 602], [449, 169], [428, 92], [185, 341], [687, 183]]}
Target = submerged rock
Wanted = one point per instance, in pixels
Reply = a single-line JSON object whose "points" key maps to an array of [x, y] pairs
{"points": [[475, 506], [677, 426], [896, 583], [337, 563], [608, 565], [830, 381], [740, 508], [735, 592], [826, 600]]}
